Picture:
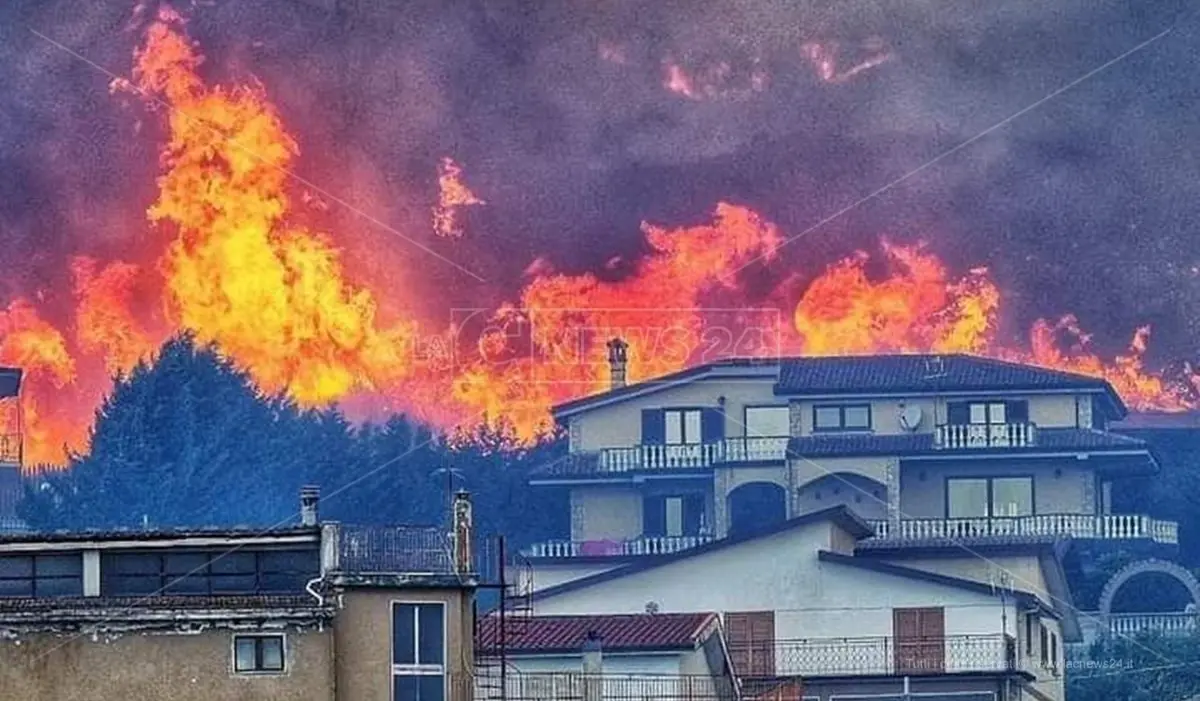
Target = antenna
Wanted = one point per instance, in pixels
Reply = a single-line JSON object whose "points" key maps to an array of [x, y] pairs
{"points": [[935, 367]]}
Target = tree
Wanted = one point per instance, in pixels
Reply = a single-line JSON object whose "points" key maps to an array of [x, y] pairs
{"points": [[1144, 668]]}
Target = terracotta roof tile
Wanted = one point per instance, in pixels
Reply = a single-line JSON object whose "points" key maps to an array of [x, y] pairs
{"points": [[627, 632]]}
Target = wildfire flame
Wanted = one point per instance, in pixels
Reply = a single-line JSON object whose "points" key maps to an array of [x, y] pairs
{"points": [[452, 194], [238, 270]]}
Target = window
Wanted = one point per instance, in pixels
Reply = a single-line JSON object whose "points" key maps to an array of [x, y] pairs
{"points": [[418, 652], [41, 575], [256, 654], [767, 422], [1054, 652], [988, 413], [1029, 621], [1045, 647], [673, 515], [682, 426], [980, 497], [201, 572], [850, 417]]}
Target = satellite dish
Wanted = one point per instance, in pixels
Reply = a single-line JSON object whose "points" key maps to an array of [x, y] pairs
{"points": [[910, 417]]}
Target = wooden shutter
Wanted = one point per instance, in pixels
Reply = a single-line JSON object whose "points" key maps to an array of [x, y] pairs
{"points": [[654, 516], [1016, 411], [920, 640], [712, 426], [958, 413], [751, 640], [654, 427], [693, 513]]}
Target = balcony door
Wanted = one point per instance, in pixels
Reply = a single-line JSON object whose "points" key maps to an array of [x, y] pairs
{"points": [[920, 635], [681, 436], [673, 515], [750, 636]]}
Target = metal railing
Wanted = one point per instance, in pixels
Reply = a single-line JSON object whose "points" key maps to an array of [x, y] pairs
{"points": [[868, 656], [1015, 435], [645, 545], [1086, 526], [577, 686], [693, 455]]}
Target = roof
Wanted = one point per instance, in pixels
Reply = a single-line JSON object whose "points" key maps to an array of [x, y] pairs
{"points": [[173, 603], [10, 382], [639, 632], [129, 534], [1154, 420], [394, 549], [1047, 440], [841, 515], [911, 373], [912, 573], [735, 366]]}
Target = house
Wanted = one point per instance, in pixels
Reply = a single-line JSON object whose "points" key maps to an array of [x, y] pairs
{"points": [[314, 612], [920, 446], [11, 488], [799, 601], [642, 655]]}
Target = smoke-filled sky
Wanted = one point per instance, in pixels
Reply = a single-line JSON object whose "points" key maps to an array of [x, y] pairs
{"points": [[561, 116]]}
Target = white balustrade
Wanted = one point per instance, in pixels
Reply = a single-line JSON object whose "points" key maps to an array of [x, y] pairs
{"points": [[954, 436], [1084, 526]]}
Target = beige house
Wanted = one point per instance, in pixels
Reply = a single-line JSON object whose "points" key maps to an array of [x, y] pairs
{"points": [[317, 612], [956, 466]]}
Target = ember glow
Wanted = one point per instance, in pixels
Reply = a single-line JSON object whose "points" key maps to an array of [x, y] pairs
{"points": [[240, 267]]}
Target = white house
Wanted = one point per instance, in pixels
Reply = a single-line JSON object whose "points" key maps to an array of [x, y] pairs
{"points": [[620, 656], [796, 601]]}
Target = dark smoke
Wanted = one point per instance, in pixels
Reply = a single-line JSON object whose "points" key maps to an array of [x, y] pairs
{"points": [[1085, 204]]}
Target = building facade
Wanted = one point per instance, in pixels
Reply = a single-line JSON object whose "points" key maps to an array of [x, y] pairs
{"points": [[973, 471], [320, 612]]}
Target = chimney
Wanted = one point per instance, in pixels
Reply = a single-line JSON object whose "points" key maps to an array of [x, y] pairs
{"points": [[618, 357], [593, 667], [309, 496], [463, 525]]}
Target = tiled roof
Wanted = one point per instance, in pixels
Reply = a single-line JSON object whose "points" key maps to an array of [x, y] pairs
{"points": [[964, 544], [920, 372], [156, 534], [136, 604], [622, 632], [570, 465], [1048, 439]]}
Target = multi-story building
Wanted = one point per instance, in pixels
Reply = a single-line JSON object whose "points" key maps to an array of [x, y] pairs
{"points": [[315, 612], [10, 449], [959, 467]]}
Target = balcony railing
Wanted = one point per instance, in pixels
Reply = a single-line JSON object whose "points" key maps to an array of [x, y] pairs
{"points": [[954, 436], [852, 657], [1084, 526], [1126, 624], [576, 686], [695, 455], [645, 545]]}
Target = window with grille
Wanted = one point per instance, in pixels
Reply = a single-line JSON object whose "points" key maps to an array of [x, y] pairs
{"points": [[209, 573], [258, 654], [41, 575]]}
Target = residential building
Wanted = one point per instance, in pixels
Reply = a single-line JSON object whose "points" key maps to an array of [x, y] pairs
{"points": [[799, 601], [656, 656], [313, 612], [11, 489], [921, 446]]}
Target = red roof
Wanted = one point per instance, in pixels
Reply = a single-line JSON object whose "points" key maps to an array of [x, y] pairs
{"points": [[624, 632]]}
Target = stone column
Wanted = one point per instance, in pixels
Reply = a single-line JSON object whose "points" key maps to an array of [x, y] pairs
{"points": [[892, 475]]}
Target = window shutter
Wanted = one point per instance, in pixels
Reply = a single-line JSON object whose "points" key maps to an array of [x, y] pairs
{"points": [[712, 426], [693, 511], [1017, 411], [958, 413], [654, 427], [654, 516]]}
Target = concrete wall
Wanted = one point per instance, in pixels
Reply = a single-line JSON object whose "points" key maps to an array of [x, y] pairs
{"points": [[812, 599], [179, 667], [551, 574], [612, 663], [620, 425], [363, 640], [606, 512], [1070, 492], [1045, 410]]}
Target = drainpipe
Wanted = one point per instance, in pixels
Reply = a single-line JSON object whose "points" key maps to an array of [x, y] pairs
{"points": [[593, 666], [310, 587]]}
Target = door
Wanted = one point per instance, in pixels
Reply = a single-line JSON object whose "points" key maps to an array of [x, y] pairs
{"points": [[920, 635], [751, 639]]}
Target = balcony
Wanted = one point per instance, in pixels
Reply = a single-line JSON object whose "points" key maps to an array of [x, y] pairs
{"points": [[693, 456], [880, 656], [1084, 526], [1129, 624], [959, 436], [558, 686], [645, 545]]}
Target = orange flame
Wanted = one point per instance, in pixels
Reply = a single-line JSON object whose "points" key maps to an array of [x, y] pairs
{"points": [[240, 271], [452, 194]]}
